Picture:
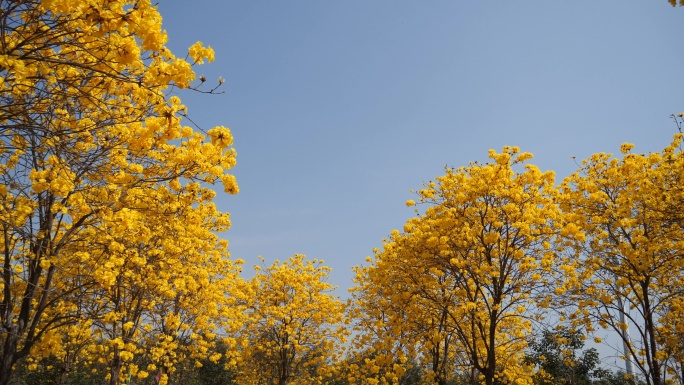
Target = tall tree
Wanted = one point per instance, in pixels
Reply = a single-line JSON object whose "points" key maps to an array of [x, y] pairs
{"points": [[482, 256], [628, 268], [86, 127], [294, 327], [168, 287], [403, 310]]}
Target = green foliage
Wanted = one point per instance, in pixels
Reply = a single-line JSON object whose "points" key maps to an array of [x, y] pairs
{"points": [[52, 371], [606, 377], [560, 357], [215, 373]]}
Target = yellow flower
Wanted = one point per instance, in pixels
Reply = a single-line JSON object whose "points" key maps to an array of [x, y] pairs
{"points": [[626, 147], [198, 53]]}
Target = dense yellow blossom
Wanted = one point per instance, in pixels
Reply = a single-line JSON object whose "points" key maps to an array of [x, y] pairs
{"points": [[294, 330], [107, 220], [456, 290], [627, 266]]}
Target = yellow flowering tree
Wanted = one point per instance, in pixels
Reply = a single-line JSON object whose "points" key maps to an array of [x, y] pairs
{"points": [[92, 147], [671, 338], [168, 288], [628, 269], [671, 331], [295, 326], [476, 267], [403, 310]]}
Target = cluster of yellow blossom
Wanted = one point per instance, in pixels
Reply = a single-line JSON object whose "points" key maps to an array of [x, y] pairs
{"points": [[105, 197]]}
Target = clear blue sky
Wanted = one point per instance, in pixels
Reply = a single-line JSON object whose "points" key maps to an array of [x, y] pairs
{"points": [[339, 108]]}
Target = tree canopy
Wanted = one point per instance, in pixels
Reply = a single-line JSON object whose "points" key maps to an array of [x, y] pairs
{"points": [[114, 270], [103, 210]]}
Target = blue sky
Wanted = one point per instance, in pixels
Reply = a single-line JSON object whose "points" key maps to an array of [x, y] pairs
{"points": [[339, 108]]}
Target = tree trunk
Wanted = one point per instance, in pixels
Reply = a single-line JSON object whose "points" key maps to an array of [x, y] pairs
{"points": [[9, 356], [491, 350], [115, 370], [64, 376]]}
